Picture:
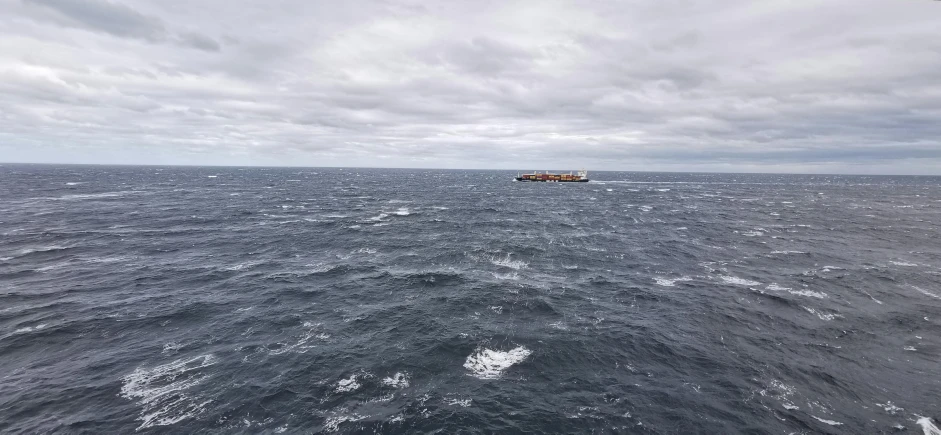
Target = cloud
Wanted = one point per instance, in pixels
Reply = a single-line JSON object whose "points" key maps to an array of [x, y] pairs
{"points": [[117, 20], [199, 41], [103, 16], [821, 85]]}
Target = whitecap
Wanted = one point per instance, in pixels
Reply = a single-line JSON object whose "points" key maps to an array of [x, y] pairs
{"points": [[927, 425], [738, 281], [671, 282], [403, 211], [903, 263], [788, 252], [507, 262], [398, 380], [490, 364], [506, 276], [463, 403], [890, 407], [161, 390], [347, 385], [30, 329], [776, 288], [813, 294], [332, 424], [926, 292], [821, 314], [830, 422]]}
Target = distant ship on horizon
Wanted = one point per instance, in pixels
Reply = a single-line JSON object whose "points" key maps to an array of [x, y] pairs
{"points": [[548, 177]]}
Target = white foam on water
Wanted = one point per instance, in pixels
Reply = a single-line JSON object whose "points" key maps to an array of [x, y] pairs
{"points": [[347, 385], [463, 403], [813, 294], [72, 183], [927, 425], [830, 422], [398, 380], [171, 347], [821, 315], [776, 288], [753, 233], [301, 345], [559, 325], [926, 292], [490, 364], [507, 262], [333, 423], [738, 281], [890, 407], [95, 195], [161, 390], [506, 276], [497, 309], [403, 211], [788, 252], [366, 251], [671, 282], [903, 263], [30, 329], [211, 176], [910, 348], [645, 208]]}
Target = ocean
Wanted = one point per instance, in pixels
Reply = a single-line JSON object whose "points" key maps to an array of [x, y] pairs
{"points": [[311, 300]]}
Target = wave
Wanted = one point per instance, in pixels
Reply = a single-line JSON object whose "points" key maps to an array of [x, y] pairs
{"points": [[162, 391], [491, 364]]}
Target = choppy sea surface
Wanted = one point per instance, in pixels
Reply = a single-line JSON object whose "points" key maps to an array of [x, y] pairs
{"points": [[263, 300]]}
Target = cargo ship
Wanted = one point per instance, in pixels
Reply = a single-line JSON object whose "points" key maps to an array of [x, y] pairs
{"points": [[580, 177]]}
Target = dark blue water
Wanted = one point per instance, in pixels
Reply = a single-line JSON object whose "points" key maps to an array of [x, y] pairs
{"points": [[252, 300]]}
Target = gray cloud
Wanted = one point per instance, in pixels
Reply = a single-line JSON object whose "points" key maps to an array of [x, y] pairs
{"points": [[820, 86], [118, 20], [199, 41], [103, 16]]}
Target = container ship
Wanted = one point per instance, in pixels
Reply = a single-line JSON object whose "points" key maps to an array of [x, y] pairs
{"points": [[580, 177]]}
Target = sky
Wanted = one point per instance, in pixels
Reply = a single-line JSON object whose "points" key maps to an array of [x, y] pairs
{"points": [[808, 86]]}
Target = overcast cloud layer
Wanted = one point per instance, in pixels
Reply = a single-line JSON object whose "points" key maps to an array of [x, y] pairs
{"points": [[772, 85]]}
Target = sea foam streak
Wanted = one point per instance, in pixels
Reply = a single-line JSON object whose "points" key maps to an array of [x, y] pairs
{"points": [[738, 281], [927, 425], [161, 390], [671, 282], [830, 422], [490, 364]]}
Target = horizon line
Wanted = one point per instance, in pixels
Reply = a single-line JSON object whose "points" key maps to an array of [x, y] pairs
{"points": [[183, 165]]}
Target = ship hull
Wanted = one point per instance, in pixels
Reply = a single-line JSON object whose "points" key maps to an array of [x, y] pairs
{"points": [[550, 181]]}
